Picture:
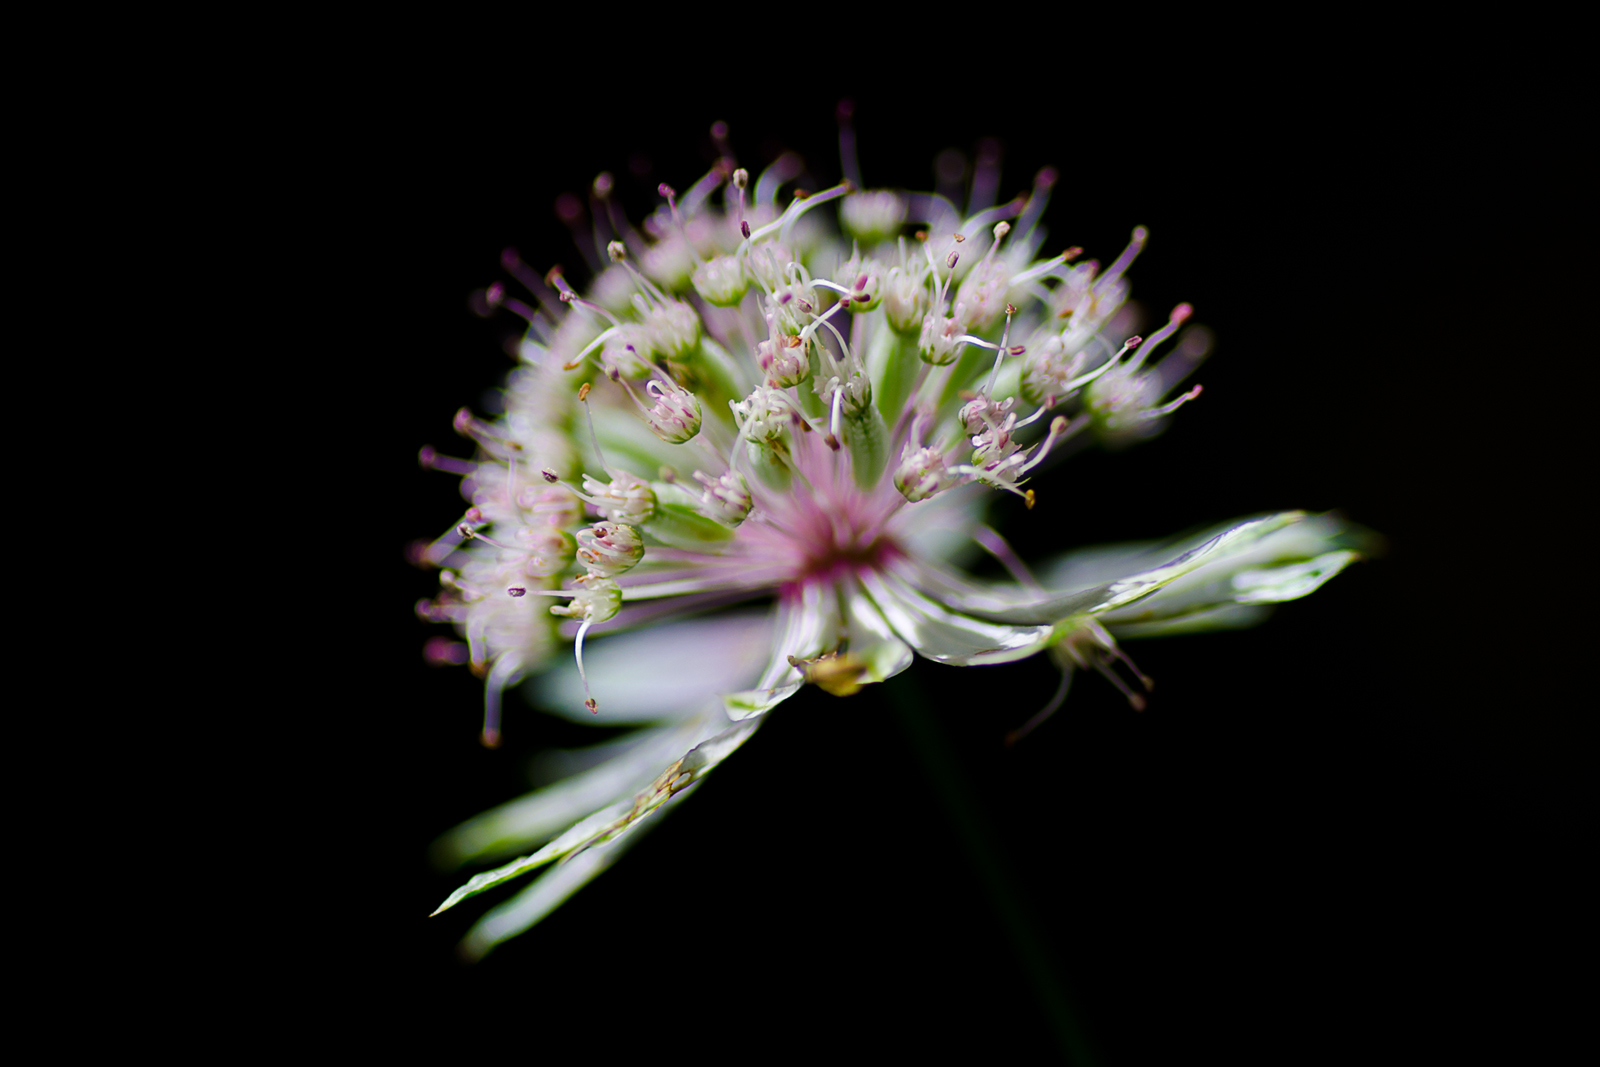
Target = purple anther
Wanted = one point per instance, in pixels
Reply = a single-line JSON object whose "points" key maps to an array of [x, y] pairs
{"points": [[516, 590], [744, 228], [550, 476]]}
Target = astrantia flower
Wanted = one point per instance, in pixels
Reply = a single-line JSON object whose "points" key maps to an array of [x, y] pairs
{"points": [[747, 405]]}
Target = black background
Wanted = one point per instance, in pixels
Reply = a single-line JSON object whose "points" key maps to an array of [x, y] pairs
{"points": [[1347, 831]]}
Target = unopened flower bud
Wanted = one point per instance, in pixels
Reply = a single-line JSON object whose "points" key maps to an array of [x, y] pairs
{"points": [[905, 300], [726, 499], [785, 365], [628, 498], [721, 281], [921, 474], [609, 548], [984, 293], [873, 216], [597, 599], [864, 279], [672, 329], [552, 504], [550, 550], [626, 352], [762, 416], [941, 342], [675, 418]]}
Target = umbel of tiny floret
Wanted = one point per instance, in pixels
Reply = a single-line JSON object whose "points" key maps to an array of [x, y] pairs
{"points": [[765, 392]]}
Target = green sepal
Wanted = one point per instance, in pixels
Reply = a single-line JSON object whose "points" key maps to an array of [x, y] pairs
{"points": [[769, 459], [894, 362], [681, 526], [868, 441]]}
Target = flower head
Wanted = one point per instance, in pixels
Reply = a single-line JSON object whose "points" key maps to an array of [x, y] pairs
{"points": [[844, 403]]}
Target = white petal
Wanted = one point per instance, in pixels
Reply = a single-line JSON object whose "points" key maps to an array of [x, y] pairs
{"points": [[872, 638], [611, 823], [806, 628], [945, 636], [1014, 604], [545, 895], [1289, 563], [633, 764], [660, 673], [1222, 617]]}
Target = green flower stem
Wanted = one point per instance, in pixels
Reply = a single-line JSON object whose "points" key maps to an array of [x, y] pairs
{"points": [[944, 772]]}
